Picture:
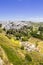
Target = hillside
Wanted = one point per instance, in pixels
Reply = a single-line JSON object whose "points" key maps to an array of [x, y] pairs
{"points": [[16, 56], [7, 46], [21, 46], [33, 40]]}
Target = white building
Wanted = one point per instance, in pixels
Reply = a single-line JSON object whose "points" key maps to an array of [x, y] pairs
{"points": [[29, 46]]}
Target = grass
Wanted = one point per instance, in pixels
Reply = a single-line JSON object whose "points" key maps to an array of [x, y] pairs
{"points": [[13, 53], [40, 43], [15, 42], [12, 56]]}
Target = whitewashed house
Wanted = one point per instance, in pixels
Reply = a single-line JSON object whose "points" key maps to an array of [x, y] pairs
{"points": [[29, 47]]}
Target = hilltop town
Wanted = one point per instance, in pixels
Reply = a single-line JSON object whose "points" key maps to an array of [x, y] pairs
{"points": [[21, 43]]}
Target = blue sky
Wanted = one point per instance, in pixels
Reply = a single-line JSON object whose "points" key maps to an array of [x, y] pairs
{"points": [[21, 10]]}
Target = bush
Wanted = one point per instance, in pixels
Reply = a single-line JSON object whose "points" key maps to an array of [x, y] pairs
{"points": [[17, 38], [28, 57], [4, 29], [24, 39], [9, 31], [18, 35], [22, 47], [37, 35]]}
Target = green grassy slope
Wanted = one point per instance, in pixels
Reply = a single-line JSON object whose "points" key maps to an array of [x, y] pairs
{"points": [[39, 42], [13, 55]]}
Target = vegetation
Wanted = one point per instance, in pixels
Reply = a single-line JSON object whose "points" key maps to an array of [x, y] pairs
{"points": [[0, 25], [11, 42], [28, 58]]}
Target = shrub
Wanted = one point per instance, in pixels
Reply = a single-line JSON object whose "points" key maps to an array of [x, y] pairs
{"points": [[28, 57], [24, 39], [37, 35], [22, 47], [4, 29]]}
